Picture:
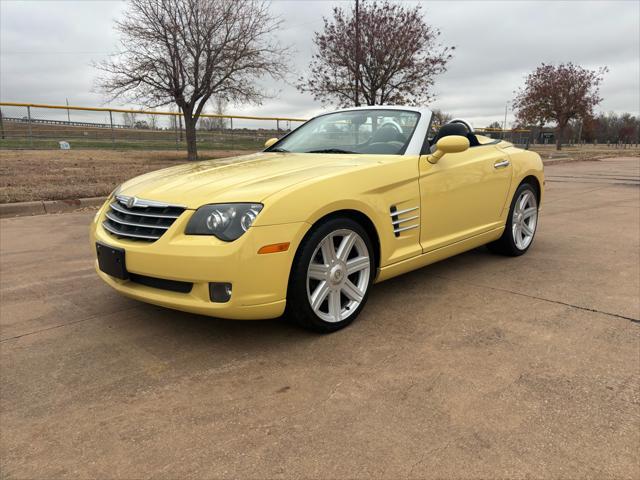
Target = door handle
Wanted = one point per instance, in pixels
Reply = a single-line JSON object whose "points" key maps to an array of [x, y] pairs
{"points": [[501, 164]]}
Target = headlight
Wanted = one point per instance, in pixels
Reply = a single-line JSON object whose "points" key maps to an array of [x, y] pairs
{"points": [[227, 221]]}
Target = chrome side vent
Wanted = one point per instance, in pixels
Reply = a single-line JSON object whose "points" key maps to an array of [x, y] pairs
{"points": [[402, 220]]}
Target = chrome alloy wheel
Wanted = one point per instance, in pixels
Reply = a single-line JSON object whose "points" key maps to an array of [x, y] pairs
{"points": [[525, 219], [338, 275]]}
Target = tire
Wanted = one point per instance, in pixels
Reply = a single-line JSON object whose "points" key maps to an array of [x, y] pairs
{"points": [[328, 291], [521, 225]]}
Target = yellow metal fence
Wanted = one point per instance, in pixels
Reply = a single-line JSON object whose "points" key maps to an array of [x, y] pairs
{"points": [[32, 125]]}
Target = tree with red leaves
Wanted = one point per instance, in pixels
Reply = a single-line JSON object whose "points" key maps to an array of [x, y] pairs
{"points": [[390, 56], [558, 94]]}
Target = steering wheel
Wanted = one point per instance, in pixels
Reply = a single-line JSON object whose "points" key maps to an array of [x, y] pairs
{"points": [[387, 132], [392, 124]]}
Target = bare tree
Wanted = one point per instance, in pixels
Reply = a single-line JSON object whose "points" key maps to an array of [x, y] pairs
{"points": [[186, 51], [215, 123], [153, 121], [393, 58], [558, 94], [612, 128], [129, 119], [441, 118]]}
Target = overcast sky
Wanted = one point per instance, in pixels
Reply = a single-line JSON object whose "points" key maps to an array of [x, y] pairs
{"points": [[47, 48]]}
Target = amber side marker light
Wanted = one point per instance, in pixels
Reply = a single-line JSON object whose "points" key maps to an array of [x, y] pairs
{"points": [[274, 248]]}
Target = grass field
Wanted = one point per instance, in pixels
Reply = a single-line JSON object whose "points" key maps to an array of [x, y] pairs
{"points": [[18, 135], [27, 175]]}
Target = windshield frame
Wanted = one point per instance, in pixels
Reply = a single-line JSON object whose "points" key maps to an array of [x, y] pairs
{"points": [[424, 115]]}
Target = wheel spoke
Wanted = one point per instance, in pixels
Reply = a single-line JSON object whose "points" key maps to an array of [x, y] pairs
{"points": [[318, 296], [328, 250], [516, 208], [345, 246], [528, 212], [523, 201], [334, 305], [318, 271], [356, 264], [526, 229], [351, 291]]}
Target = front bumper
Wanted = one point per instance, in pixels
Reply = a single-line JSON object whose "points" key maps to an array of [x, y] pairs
{"points": [[259, 281]]}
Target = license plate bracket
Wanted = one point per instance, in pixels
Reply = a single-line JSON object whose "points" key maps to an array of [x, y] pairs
{"points": [[111, 260]]}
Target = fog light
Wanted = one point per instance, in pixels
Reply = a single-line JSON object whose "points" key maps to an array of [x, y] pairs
{"points": [[220, 292]]}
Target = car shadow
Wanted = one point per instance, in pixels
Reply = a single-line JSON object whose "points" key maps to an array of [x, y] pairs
{"points": [[173, 322]]}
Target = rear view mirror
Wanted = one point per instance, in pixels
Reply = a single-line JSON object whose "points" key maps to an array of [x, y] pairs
{"points": [[270, 142], [449, 144]]}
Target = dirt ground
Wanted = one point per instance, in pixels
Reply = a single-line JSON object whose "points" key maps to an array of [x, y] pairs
{"points": [[479, 366], [27, 175], [585, 152]]}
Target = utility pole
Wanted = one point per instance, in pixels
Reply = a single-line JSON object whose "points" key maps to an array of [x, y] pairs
{"points": [[580, 131], [504, 125], [68, 115], [357, 52]]}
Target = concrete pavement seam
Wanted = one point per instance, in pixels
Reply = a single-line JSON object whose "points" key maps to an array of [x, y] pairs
{"points": [[559, 302], [91, 317]]}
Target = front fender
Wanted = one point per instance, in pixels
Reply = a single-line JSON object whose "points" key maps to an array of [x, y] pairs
{"points": [[371, 190]]}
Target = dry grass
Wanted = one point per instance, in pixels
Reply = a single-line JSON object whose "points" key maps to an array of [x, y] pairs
{"points": [[586, 152], [56, 174], [64, 174]]}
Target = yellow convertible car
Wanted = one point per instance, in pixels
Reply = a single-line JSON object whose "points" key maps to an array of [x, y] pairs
{"points": [[306, 227]]}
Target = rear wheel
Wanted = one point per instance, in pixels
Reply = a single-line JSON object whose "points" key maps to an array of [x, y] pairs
{"points": [[521, 223], [331, 276]]}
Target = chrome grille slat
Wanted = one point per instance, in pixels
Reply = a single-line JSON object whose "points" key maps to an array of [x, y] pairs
{"points": [[139, 219], [113, 218], [117, 232], [116, 206]]}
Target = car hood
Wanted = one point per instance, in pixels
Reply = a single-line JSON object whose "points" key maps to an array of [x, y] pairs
{"points": [[249, 178]]}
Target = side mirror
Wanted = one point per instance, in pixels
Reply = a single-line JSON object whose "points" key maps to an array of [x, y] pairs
{"points": [[270, 142], [449, 144]]}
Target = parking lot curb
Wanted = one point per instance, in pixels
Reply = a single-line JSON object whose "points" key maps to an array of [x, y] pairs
{"points": [[41, 207]]}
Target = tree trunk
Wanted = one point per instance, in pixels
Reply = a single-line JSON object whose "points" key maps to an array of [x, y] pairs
{"points": [[559, 136], [190, 134]]}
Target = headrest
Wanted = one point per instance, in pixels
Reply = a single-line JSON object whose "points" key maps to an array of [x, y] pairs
{"points": [[453, 129]]}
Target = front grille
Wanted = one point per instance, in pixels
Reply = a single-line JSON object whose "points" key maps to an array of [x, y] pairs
{"points": [[138, 219]]}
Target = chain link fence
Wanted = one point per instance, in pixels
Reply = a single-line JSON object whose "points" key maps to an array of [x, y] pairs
{"points": [[519, 137], [34, 126]]}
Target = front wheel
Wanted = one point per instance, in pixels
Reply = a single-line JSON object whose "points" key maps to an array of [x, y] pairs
{"points": [[521, 223], [331, 276]]}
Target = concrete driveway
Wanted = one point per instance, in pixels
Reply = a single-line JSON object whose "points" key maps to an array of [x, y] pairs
{"points": [[479, 366]]}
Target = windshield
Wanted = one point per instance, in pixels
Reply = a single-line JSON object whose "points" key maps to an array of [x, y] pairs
{"points": [[384, 132]]}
